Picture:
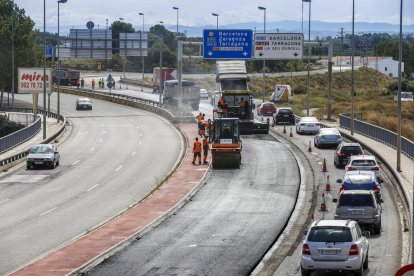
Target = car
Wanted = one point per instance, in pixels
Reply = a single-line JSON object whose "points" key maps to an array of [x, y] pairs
{"points": [[308, 125], [334, 245], [361, 180], [83, 103], [327, 137], [203, 93], [43, 155], [361, 206], [284, 115], [344, 151], [364, 163], [266, 109]]}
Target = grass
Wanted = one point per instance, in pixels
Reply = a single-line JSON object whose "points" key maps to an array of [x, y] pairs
{"points": [[372, 99]]}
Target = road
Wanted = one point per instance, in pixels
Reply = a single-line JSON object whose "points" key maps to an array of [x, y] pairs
{"points": [[385, 249], [227, 227], [107, 163]]}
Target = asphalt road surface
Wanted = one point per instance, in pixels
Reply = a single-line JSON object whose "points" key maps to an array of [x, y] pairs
{"points": [[107, 163], [229, 224]]}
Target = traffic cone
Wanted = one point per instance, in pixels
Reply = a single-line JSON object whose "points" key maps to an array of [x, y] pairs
{"points": [[310, 147], [324, 166], [291, 133], [323, 203], [284, 129], [328, 184]]}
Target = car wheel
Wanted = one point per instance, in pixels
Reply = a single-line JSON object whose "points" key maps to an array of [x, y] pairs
{"points": [[28, 166], [377, 228], [305, 272], [53, 165], [365, 266], [57, 163], [335, 164]]}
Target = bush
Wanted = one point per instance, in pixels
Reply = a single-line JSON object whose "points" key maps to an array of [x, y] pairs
{"points": [[8, 127]]}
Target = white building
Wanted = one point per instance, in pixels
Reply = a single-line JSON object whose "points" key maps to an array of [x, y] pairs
{"points": [[385, 65]]}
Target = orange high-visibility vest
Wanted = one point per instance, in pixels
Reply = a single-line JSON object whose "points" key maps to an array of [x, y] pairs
{"points": [[197, 146]]}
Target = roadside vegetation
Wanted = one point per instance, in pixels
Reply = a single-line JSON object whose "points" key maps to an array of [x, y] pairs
{"points": [[8, 127], [374, 97]]}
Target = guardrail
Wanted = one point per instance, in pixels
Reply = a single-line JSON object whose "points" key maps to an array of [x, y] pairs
{"points": [[9, 161], [379, 134]]}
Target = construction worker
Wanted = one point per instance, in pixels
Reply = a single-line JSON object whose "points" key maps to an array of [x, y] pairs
{"points": [[210, 127], [93, 83], [205, 149], [222, 105], [82, 83], [77, 83], [199, 116], [202, 129], [197, 151]]}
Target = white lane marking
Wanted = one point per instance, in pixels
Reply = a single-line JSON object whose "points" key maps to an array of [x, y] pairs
{"points": [[120, 167], [92, 149], [133, 153], [48, 211], [192, 245], [76, 162], [93, 187], [83, 133], [7, 199]]}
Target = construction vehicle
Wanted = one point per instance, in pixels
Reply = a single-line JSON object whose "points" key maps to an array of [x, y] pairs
{"points": [[226, 145], [191, 95], [167, 74], [67, 77], [232, 83], [282, 93]]}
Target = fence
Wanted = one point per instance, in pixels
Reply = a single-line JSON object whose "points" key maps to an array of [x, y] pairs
{"points": [[379, 134]]}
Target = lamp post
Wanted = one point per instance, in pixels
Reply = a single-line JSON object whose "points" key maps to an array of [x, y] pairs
{"points": [[309, 55], [399, 93], [217, 16], [13, 57], [161, 72], [352, 68], [123, 30], [44, 69], [58, 60], [264, 61], [143, 66], [176, 8]]}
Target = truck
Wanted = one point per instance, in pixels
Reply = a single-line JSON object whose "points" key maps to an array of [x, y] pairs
{"points": [[232, 83], [190, 97], [167, 73], [67, 76], [282, 94]]}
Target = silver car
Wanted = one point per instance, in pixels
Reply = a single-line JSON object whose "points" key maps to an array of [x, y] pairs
{"points": [[83, 103], [43, 155], [334, 245], [327, 137]]}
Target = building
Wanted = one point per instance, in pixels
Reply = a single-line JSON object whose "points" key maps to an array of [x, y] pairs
{"points": [[385, 65]]}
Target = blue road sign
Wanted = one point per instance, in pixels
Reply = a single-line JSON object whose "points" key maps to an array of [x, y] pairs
{"points": [[49, 51], [227, 44]]}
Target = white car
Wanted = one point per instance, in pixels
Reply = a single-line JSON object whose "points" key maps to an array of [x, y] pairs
{"points": [[203, 93], [83, 103], [334, 245], [364, 163], [308, 125], [43, 155]]}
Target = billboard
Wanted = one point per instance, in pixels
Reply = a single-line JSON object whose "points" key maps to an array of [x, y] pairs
{"points": [[278, 46], [90, 43], [30, 80], [133, 44]]}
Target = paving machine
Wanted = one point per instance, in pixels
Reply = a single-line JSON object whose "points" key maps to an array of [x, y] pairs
{"points": [[226, 145]]}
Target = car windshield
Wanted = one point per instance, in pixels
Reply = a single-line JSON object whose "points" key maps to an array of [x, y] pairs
{"points": [[41, 149], [356, 200], [363, 163], [331, 137], [330, 234]]}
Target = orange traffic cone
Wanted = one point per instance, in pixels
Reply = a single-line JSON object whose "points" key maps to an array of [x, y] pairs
{"points": [[291, 133], [324, 166], [310, 147], [328, 184], [323, 203], [284, 129]]}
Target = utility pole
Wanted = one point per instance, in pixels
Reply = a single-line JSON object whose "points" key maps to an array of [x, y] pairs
{"points": [[342, 48]]}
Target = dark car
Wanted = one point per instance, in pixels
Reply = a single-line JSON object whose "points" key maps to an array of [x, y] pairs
{"points": [[284, 115], [83, 103], [266, 109], [344, 151]]}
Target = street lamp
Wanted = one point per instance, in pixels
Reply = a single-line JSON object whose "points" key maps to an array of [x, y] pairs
{"points": [[216, 15], [264, 30], [58, 60], [175, 8], [309, 55], [143, 66], [12, 57], [399, 95], [123, 30], [161, 72], [352, 68], [44, 69]]}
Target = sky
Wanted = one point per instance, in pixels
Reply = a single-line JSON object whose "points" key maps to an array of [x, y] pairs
{"points": [[76, 13]]}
